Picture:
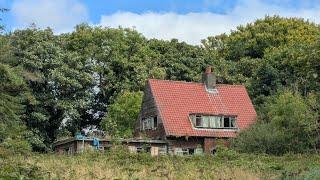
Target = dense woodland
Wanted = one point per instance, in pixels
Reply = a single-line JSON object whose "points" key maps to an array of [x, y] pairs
{"points": [[54, 85]]}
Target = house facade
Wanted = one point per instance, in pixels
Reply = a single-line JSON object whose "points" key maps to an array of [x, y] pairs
{"points": [[194, 117]]}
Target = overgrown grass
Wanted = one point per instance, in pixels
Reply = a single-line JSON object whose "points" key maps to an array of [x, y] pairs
{"points": [[119, 164]]}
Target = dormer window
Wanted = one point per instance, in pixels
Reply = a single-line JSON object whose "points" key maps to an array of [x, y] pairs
{"points": [[213, 121]]}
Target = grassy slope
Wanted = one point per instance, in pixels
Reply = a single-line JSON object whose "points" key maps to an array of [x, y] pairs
{"points": [[121, 165]]}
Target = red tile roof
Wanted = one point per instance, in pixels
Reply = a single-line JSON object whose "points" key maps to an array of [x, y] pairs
{"points": [[177, 99]]}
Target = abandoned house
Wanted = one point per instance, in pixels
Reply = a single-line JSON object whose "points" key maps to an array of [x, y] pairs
{"points": [[192, 117], [180, 118]]}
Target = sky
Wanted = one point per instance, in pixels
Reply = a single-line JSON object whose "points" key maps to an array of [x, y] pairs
{"points": [[186, 20]]}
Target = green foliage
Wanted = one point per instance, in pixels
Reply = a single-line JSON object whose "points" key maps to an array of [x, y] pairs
{"points": [[59, 80], [222, 152], [12, 129], [54, 85], [268, 55], [20, 170], [290, 125], [123, 114], [16, 146], [252, 40]]}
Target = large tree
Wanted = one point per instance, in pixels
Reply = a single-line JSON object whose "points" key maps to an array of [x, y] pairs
{"points": [[262, 54], [13, 94], [59, 81]]}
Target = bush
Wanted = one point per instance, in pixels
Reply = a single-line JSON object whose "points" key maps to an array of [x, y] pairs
{"points": [[21, 170], [285, 127], [262, 138], [16, 146], [222, 152]]}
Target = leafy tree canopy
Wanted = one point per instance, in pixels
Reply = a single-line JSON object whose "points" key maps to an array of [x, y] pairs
{"points": [[123, 114]]}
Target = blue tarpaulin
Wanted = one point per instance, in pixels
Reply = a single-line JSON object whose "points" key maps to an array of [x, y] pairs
{"points": [[96, 142], [80, 136]]}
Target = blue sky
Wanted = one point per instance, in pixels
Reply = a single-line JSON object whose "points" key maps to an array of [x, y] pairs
{"points": [[186, 20]]}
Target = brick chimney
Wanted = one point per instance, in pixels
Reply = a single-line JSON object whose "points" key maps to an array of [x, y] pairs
{"points": [[209, 79]]}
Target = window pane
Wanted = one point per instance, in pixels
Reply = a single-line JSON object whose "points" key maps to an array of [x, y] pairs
{"points": [[226, 122], [150, 123], [233, 121], [218, 122], [145, 124], [205, 121], [155, 122], [198, 121], [212, 121]]}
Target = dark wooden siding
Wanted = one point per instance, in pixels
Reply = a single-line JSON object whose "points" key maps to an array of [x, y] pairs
{"points": [[149, 109]]}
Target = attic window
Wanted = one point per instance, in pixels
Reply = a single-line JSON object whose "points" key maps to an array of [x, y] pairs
{"points": [[149, 123], [213, 121]]}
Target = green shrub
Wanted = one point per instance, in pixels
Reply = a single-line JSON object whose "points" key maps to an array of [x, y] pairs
{"points": [[262, 138], [14, 146], [285, 127], [222, 152], [20, 170]]}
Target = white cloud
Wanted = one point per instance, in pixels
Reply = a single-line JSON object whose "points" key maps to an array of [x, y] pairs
{"points": [[61, 15], [192, 27]]}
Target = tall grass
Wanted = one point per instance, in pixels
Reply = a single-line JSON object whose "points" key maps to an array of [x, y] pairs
{"points": [[119, 164]]}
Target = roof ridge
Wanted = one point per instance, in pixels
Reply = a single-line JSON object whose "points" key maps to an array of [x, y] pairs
{"points": [[191, 82], [175, 81]]}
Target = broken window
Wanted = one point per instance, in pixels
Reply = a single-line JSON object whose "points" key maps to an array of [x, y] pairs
{"points": [[213, 122]]}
